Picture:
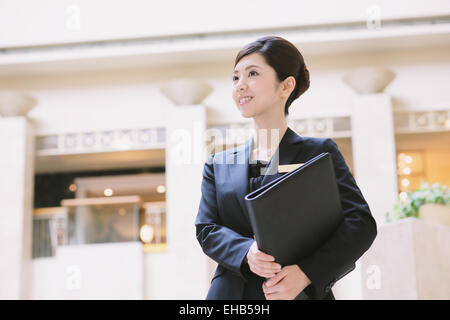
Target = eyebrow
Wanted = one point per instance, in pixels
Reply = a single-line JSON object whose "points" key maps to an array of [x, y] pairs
{"points": [[253, 65]]}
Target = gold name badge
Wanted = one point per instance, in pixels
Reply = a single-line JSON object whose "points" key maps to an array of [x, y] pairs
{"points": [[289, 167]]}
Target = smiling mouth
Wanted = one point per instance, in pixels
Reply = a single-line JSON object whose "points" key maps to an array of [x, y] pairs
{"points": [[245, 101]]}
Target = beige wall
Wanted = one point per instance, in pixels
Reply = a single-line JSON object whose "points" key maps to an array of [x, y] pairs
{"points": [[438, 167], [131, 98]]}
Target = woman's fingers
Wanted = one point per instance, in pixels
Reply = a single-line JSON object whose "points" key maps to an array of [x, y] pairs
{"points": [[270, 266], [265, 269], [262, 272], [261, 263], [259, 254], [265, 274], [266, 265], [263, 256], [269, 290]]}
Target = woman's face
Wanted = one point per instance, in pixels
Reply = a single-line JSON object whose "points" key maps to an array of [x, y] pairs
{"points": [[254, 78]]}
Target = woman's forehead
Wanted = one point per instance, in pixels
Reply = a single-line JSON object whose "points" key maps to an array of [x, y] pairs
{"points": [[252, 60]]}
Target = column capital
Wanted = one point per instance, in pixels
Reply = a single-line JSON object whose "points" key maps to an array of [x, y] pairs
{"points": [[15, 103], [368, 80], [184, 91]]}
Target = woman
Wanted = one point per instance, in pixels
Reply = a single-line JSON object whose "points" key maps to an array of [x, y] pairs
{"points": [[269, 74]]}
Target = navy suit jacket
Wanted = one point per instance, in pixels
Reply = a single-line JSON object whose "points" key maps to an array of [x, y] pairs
{"points": [[223, 227]]}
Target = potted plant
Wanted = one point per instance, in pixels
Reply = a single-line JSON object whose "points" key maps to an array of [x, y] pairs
{"points": [[426, 203]]}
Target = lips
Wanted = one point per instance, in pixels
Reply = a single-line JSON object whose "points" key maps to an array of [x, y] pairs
{"points": [[245, 100]]}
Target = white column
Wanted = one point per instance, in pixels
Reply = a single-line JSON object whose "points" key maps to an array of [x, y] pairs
{"points": [[374, 155], [16, 205], [184, 165], [184, 268]]}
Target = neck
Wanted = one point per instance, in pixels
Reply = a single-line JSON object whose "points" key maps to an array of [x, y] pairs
{"points": [[268, 131]]}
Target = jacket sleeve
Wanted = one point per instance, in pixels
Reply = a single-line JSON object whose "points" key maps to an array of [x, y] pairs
{"points": [[348, 243], [222, 244]]}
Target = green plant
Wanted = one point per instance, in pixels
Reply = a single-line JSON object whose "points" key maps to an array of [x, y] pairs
{"points": [[408, 203]]}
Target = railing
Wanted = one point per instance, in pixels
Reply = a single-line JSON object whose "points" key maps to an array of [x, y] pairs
{"points": [[153, 229], [50, 229], [99, 220]]}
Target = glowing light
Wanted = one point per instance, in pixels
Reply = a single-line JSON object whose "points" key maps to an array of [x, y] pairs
{"points": [[108, 192], [406, 170], [73, 187], [146, 233], [403, 196], [405, 182], [161, 189]]}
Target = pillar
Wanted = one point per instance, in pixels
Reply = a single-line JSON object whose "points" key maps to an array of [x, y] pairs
{"points": [[16, 195], [374, 155], [185, 156]]}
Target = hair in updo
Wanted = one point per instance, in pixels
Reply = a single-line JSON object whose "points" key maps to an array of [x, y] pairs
{"points": [[284, 58]]}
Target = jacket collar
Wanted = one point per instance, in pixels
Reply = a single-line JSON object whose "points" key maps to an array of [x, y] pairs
{"points": [[239, 160], [284, 150]]}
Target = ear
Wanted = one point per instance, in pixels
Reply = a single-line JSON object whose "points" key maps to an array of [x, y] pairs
{"points": [[287, 86]]}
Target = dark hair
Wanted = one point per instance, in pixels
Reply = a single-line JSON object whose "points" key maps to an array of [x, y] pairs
{"points": [[284, 58]]}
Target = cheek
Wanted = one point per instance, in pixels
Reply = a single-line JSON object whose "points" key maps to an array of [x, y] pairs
{"points": [[234, 95], [263, 87]]}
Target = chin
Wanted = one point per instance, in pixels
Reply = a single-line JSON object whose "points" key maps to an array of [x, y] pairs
{"points": [[247, 115], [250, 113]]}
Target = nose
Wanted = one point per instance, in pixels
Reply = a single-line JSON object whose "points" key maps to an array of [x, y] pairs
{"points": [[241, 85]]}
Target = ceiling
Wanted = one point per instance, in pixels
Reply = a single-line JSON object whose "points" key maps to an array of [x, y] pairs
{"points": [[199, 49]]}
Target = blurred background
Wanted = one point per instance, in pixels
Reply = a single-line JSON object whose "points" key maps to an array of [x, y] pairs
{"points": [[94, 202]]}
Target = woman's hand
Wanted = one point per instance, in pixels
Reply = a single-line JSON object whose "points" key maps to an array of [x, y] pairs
{"points": [[260, 263], [286, 284]]}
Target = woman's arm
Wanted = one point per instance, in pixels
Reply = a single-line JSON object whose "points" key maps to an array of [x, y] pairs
{"points": [[353, 237], [222, 244]]}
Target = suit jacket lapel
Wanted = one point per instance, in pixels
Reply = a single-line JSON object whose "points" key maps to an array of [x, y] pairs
{"points": [[238, 167], [285, 153], [239, 159]]}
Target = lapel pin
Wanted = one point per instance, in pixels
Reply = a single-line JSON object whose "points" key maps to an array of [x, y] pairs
{"points": [[288, 167]]}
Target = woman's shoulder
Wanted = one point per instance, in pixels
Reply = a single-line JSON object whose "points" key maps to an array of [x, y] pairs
{"points": [[220, 157], [318, 142], [313, 144], [316, 145]]}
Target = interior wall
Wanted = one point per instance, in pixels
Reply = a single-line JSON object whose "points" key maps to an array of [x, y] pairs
{"points": [[114, 100]]}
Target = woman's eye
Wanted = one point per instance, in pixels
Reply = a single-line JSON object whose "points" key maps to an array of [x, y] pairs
{"points": [[235, 78]]}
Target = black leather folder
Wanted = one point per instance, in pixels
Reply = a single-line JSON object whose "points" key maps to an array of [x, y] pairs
{"points": [[295, 214]]}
